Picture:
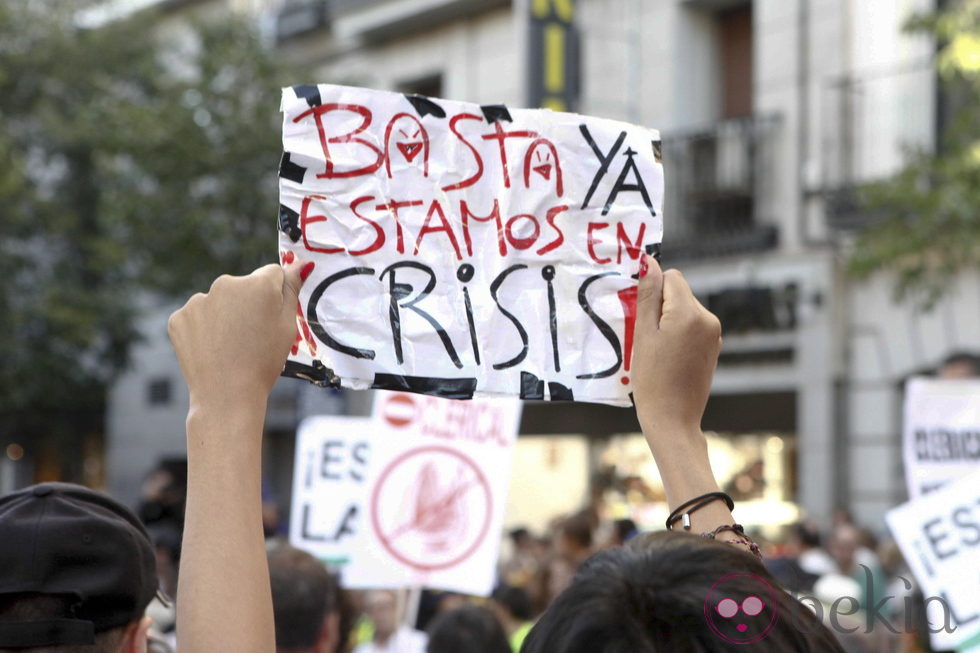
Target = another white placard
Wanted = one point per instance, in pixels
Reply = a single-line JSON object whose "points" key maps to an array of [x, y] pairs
{"points": [[939, 535], [329, 484], [941, 432], [436, 493]]}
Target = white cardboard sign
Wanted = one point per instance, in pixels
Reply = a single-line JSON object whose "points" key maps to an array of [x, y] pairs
{"points": [[436, 494], [939, 535], [941, 432], [464, 250], [329, 482]]}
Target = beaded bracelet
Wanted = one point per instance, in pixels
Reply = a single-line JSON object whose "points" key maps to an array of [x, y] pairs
{"points": [[738, 530]]}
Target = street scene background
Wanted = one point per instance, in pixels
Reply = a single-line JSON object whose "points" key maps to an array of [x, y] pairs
{"points": [[822, 171]]}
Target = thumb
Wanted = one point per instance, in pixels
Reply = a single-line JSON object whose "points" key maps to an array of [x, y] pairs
{"points": [[650, 292], [294, 273]]}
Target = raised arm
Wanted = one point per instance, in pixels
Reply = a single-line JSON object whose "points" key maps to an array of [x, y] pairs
{"points": [[674, 357], [231, 344]]}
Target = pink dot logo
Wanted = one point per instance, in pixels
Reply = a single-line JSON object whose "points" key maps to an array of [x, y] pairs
{"points": [[741, 608]]}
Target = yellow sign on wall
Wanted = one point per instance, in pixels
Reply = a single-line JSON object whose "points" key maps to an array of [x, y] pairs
{"points": [[553, 79]]}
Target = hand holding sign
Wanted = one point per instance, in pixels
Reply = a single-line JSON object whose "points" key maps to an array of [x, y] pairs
{"points": [[244, 319], [231, 344], [677, 345], [462, 250]]}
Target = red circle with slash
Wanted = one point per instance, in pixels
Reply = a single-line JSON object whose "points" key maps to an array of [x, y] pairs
{"points": [[425, 517]]}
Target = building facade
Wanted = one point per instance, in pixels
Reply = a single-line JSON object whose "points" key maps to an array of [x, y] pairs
{"points": [[772, 112]]}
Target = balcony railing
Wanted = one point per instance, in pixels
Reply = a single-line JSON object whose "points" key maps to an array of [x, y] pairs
{"points": [[869, 122], [297, 17], [717, 185]]}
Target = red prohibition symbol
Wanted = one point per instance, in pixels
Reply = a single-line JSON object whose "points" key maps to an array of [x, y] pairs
{"points": [[400, 410], [443, 510]]}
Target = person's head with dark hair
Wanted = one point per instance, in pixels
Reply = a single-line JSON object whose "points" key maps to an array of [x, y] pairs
{"points": [[514, 600], [805, 562], [471, 628], [77, 574], [806, 535], [521, 538], [960, 365], [623, 531], [163, 495], [573, 538], [306, 602], [675, 591], [512, 607]]}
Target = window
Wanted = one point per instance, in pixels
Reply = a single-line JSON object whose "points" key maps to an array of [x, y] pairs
{"points": [[735, 50], [158, 391], [429, 86]]}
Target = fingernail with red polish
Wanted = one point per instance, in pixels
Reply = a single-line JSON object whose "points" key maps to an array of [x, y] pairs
{"points": [[644, 267], [288, 257], [306, 270]]}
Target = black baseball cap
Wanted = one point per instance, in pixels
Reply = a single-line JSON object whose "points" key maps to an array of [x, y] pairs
{"points": [[66, 540]]}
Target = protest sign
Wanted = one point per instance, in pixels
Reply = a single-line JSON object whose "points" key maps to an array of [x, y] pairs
{"points": [[329, 481], [941, 432], [436, 493], [939, 535], [463, 250]]}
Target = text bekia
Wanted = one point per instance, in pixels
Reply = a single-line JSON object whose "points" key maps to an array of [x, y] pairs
{"points": [[463, 250]]}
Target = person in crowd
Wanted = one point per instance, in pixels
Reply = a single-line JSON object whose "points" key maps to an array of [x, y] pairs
{"points": [[960, 365], [840, 516], [559, 572], [857, 563], [232, 344], [306, 602], [271, 516], [650, 597], [573, 539], [166, 536], [805, 561], [470, 628], [390, 635], [512, 607], [163, 495], [623, 530], [520, 567], [554, 572], [433, 602], [77, 571]]}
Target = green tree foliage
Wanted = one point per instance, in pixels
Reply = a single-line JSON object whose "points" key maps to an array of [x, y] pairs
{"points": [[929, 228], [133, 167]]}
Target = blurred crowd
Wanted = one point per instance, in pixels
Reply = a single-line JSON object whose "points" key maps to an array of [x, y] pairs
{"points": [[857, 582]]}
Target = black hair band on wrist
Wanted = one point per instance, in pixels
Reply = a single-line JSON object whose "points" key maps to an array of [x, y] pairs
{"points": [[684, 510]]}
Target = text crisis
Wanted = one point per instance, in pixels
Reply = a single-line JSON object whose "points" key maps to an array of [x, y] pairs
{"points": [[409, 294]]}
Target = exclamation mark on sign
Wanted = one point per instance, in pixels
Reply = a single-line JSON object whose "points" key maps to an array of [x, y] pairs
{"points": [[303, 333], [627, 297]]}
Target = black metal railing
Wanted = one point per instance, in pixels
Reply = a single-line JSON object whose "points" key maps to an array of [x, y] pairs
{"points": [[869, 123], [298, 17], [718, 196]]}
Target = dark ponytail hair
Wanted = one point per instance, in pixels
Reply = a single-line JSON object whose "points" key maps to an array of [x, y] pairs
{"points": [[655, 595]]}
